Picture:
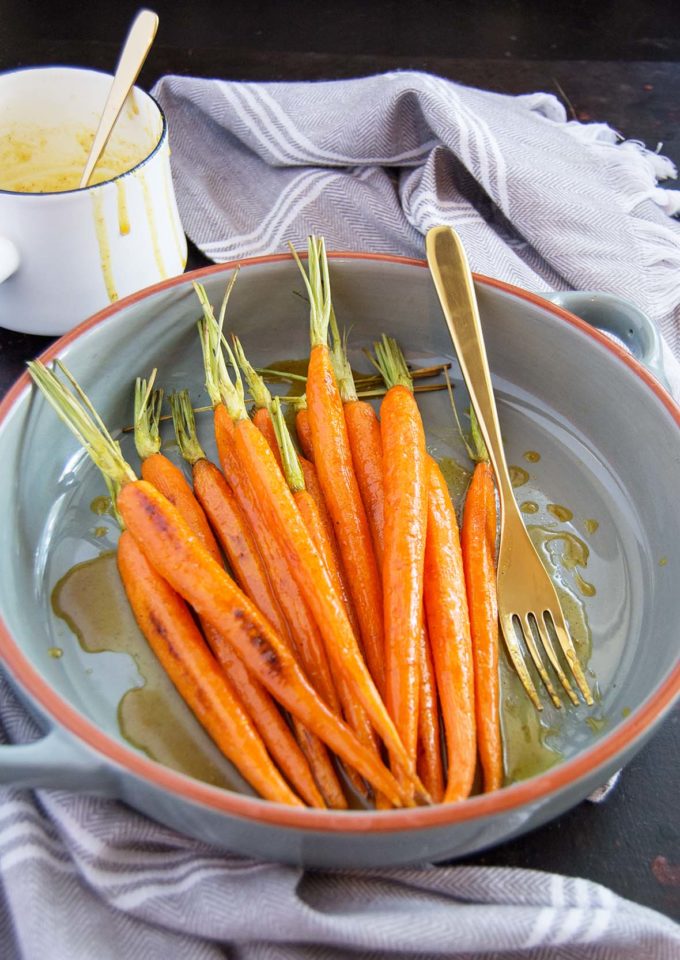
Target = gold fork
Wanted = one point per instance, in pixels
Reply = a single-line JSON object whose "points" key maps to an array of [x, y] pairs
{"points": [[528, 603]]}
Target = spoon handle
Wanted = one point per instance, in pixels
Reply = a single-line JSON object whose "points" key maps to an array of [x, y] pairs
{"points": [[137, 45]]}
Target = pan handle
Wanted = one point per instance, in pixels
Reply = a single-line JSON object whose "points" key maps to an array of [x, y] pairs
{"points": [[58, 762], [621, 320]]}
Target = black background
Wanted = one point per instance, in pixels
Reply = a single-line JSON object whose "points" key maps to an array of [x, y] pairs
{"points": [[612, 62]]}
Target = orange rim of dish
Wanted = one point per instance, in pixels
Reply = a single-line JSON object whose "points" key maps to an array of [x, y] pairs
{"points": [[529, 792]]}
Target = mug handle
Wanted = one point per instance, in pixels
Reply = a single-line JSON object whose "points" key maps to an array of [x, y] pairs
{"points": [[621, 320], [9, 258], [56, 761]]}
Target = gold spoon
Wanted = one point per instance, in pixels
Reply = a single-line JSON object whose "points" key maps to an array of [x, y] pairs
{"points": [[135, 49]]}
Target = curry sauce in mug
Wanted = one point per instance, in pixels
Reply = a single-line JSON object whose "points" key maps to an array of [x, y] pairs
{"points": [[38, 159]]}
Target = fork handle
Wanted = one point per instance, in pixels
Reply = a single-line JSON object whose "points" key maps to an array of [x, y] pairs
{"points": [[454, 284]]}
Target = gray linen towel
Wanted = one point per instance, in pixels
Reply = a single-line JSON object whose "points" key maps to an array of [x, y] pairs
{"points": [[371, 164]]}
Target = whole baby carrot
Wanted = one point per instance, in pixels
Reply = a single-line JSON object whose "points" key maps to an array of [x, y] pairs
{"points": [[405, 486], [448, 623], [262, 419], [167, 624], [285, 524], [160, 470], [333, 461], [479, 551], [163, 616], [303, 430], [246, 564], [170, 546], [365, 442]]}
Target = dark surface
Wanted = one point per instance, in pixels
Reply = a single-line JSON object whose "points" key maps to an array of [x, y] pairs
{"points": [[616, 63]]}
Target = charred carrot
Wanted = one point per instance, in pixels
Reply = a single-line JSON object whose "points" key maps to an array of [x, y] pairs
{"points": [[479, 550], [163, 616], [405, 486], [449, 628], [168, 543], [246, 564], [160, 470], [168, 626], [283, 519], [333, 461]]}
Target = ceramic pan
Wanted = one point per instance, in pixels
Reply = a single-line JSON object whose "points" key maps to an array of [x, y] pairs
{"points": [[608, 436]]}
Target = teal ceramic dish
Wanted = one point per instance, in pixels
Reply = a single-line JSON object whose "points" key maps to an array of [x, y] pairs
{"points": [[607, 436]]}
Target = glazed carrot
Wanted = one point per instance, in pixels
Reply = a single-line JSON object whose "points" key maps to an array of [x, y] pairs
{"points": [[246, 563], [167, 624], [160, 470], [162, 615], [306, 634], [303, 431], [479, 550], [449, 628], [333, 461], [405, 486], [308, 639], [268, 720], [430, 766], [363, 430], [263, 422], [365, 442], [168, 543], [283, 520]]}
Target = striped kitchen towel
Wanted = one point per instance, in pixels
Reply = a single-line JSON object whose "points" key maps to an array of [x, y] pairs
{"points": [[373, 163], [83, 878]]}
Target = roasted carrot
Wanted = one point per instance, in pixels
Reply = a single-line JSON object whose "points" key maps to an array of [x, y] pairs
{"points": [[303, 431], [167, 624], [430, 766], [246, 564], [283, 519], [405, 486], [163, 616], [479, 551], [262, 418], [365, 442], [170, 546], [333, 461], [353, 711], [449, 628], [160, 470]]}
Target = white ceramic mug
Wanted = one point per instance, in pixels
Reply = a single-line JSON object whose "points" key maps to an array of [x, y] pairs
{"points": [[66, 253]]}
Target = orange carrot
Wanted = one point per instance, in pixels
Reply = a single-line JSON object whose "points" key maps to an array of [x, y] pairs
{"points": [[263, 422], [176, 554], [162, 614], [363, 430], [268, 720], [365, 442], [449, 628], [283, 520], [308, 639], [246, 563], [167, 624], [479, 550], [304, 433], [430, 766], [159, 470], [333, 461], [405, 486]]}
